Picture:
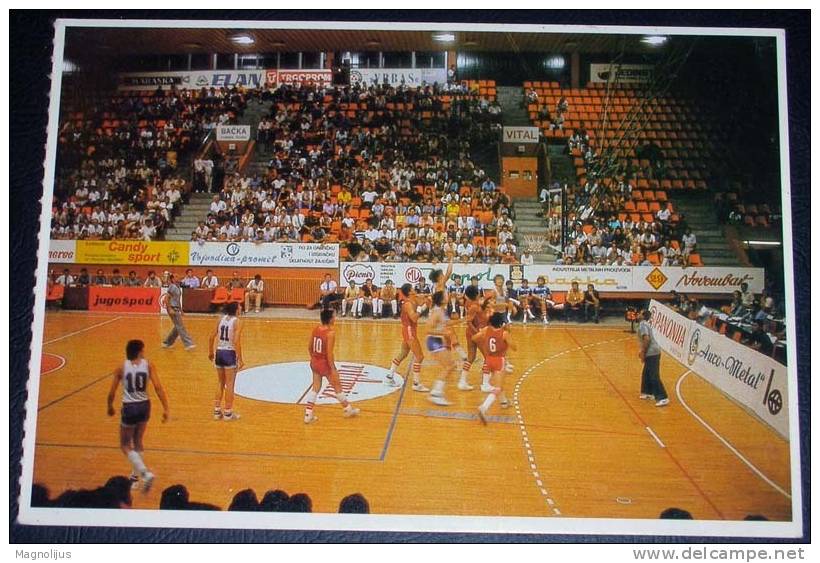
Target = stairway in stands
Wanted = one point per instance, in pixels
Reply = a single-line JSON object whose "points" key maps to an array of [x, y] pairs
{"points": [[699, 210], [563, 170], [528, 221], [194, 211], [513, 112]]}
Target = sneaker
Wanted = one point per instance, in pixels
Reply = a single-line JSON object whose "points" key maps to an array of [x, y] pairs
{"points": [[391, 381], [546, 321], [662, 403], [464, 386], [344, 314], [643, 396], [135, 481], [508, 367], [147, 481], [231, 417], [482, 416], [439, 400], [191, 347], [257, 311], [420, 388], [351, 412], [217, 415], [486, 388], [164, 345], [524, 320], [504, 404], [309, 418]]}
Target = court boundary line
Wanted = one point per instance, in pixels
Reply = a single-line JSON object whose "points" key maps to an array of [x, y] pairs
{"points": [[643, 422], [74, 392], [655, 436], [724, 441], [63, 337], [389, 437]]}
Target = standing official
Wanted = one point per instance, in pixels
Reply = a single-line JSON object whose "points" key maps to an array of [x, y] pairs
{"points": [[650, 354], [172, 301]]}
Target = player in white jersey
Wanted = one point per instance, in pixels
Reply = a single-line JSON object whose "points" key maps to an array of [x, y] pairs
{"points": [[135, 373], [439, 339], [227, 360]]}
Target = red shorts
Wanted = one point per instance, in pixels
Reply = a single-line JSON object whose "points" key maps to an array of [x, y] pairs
{"points": [[494, 363], [320, 366], [408, 334]]}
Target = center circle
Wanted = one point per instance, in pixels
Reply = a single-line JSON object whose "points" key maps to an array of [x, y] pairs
{"points": [[290, 382]]}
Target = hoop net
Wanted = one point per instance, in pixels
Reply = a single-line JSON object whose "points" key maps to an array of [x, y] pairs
{"points": [[535, 243]]}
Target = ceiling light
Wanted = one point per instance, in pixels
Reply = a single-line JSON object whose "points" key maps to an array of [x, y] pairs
{"points": [[278, 44], [191, 45], [242, 39], [654, 40], [372, 43], [556, 62], [469, 44], [444, 37]]}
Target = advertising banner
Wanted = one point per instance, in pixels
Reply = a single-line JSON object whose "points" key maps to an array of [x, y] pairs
{"points": [[304, 76], [233, 133], [696, 280], [124, 299], [560, 278], [398, 76], [400, 273], [62, 251], [754, 380], [620, 73], [192, 80], [133, 252], [521, 134], [671, 330], [264, 255], [647, 279]]}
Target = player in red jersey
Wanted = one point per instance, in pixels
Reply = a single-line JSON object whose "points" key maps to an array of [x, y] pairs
{"points": [[410, 339], [494, 342], [322, 341], [476, 308]]}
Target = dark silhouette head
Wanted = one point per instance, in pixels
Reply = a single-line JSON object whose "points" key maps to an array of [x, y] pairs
{"points": [[675, 514], [174, 497], [40, 495], [354, 504], [244, 501], [274, 501], [300, 502]]}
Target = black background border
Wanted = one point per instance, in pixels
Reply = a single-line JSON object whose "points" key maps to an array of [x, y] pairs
{"points": [[31, 42]]}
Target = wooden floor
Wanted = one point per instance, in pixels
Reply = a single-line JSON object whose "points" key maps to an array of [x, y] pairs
{"points": [[584, 445]]}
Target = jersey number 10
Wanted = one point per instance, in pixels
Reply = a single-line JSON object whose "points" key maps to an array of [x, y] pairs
{"points": [[317, 345], [138, 383]]}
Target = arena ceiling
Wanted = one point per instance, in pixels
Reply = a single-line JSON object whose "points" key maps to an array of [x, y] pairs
{"points": [[83, 43]]}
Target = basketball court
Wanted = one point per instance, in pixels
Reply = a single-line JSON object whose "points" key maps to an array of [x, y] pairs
{"points": [[576, 441]]}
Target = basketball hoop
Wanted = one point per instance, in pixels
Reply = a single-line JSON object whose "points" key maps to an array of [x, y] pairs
{"points": [[535, 243]]}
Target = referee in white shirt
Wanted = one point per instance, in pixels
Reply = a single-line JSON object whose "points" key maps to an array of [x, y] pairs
{"points": [[254, 290], [328, 292]]}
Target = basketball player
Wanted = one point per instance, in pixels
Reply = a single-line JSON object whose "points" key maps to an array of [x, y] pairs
{"points": [[135, 373], [423, 296], [542, 297], [501, 303], [350, 297], [227, 360], [410, 340], [513, 298], [368, 295], [475, 311], [439, 339], [322, 364], [525, 297], [388, 295], [494, 341]]}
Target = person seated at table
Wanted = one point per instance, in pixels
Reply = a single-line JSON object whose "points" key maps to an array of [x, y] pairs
{"points": [[190, 280], [210, 281], [132, 280], [99, 278], [254, 291], [83, 279], [152, 280], [760, 340], [592, 301], [575, 300], [66, 279], [116, 278], [328, 293]]}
